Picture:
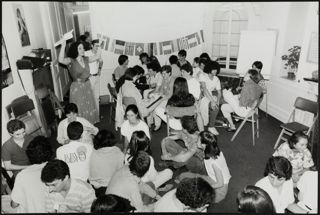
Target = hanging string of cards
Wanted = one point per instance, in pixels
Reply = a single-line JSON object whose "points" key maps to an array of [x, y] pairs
{"points": [[161, 48]]}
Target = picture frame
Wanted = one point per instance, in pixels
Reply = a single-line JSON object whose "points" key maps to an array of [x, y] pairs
{"points": [[6, 71]]}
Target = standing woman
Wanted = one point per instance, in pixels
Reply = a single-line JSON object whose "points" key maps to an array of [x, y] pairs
{"points": [[80, 90]]}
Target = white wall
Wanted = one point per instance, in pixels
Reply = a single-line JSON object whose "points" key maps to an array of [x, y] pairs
{"points": [[16, 51], [144, 22]]}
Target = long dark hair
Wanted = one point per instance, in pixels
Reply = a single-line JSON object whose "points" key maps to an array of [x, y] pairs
{"points": [[180, 86], [212, 148], [139, 142]]}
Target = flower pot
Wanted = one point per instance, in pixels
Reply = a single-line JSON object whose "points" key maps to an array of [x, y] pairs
{"points": [[291, 75]]}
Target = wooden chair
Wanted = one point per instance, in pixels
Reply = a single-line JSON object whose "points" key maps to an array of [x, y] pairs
{"points": [[253, 117], [178, 112], [113, 94], [292, 126]]}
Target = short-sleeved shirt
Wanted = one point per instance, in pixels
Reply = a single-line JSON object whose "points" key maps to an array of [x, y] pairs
{"points": [[78, 200], [194, 87], [211, 84], [282, 199], [11, 151], [29, 191], [157, 79], [77, 71], [77, 156], [127, 129]]}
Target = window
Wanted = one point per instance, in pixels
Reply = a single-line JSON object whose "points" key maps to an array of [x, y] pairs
{"points": [[229, 20]]}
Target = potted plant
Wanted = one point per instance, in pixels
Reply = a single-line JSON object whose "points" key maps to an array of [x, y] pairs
{"points": [[292, 60]]}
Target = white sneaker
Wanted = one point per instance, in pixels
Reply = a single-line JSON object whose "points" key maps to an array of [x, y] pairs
{"points": [[213, 130]]}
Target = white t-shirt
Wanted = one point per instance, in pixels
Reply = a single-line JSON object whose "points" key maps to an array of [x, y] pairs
{"points": [[168, 203], [77, 156], [280, 200], [127, 129], [194, 87], [222, 165], [157, 79], [29, 191], [308, 187], [94, 66], [196, 71], [86, 136], [211, 85]]}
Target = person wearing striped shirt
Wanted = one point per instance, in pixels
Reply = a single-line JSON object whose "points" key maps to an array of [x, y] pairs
{"points": [[65, 195]]}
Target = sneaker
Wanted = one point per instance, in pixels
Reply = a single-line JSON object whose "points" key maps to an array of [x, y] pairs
{"points": [[213, 130]]}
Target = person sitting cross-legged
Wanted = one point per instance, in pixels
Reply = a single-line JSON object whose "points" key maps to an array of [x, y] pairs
{"points": [[191, 195], [66, 195], [29, 192], [71, 111], [76, 154]]}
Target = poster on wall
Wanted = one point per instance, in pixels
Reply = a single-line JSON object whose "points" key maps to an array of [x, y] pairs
{"points": [[6, 72], [21, 23]]}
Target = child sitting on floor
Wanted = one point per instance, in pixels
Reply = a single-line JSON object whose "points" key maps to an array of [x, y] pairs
{"points": [[296, 151]]}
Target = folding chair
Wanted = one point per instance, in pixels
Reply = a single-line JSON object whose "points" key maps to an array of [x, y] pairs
{"points": [[113, 94], [178, 112], [292, 126], [253, 117]]}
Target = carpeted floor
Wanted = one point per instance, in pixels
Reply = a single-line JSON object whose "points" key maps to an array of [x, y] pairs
{"points": [[245, 161]]}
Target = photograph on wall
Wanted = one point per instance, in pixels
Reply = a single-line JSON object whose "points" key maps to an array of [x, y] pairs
{"points": [[6, 69], [22, 27]]}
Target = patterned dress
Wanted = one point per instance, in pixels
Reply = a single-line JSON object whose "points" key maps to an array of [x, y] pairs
{"points": [[81, 92]]}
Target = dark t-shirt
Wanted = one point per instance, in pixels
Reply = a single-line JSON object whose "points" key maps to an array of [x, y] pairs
{"points": [[14, 153]]}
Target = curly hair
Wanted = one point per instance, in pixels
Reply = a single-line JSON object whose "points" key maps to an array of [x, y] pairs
{"points": [[39, 150], [279, 166], [15, 125], [111, 203], [139, 164], [253, 199], [73, 50], [195, 192]]}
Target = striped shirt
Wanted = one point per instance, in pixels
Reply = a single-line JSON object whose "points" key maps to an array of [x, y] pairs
{"points": [[78, 199]]}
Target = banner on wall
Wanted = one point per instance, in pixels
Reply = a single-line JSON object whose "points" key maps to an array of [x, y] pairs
{"points": [[165, 47]]}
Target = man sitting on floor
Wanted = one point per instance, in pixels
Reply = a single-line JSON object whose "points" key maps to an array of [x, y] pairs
{"points": [[66, 195]]}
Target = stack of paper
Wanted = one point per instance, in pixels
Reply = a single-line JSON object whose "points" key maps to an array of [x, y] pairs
{"points": [[66, 36]]}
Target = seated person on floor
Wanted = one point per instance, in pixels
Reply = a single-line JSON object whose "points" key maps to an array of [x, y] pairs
{"points": [[13, 151], [76, 153], [141, 142], [215, 165], [180, 98], [173, 60], [191, 195], [105, 152], [182, 54], [254, 200], [188, 155], [296, 151], [29, 192], [279, 185], [71, 111], [242, 103], [126, 182], [123, 61], [154, 79], [66, 195], [131, 124], [111, 203], [211, 88]]}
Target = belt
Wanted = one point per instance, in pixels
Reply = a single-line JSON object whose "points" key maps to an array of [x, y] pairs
{"points": [[94, 74]]}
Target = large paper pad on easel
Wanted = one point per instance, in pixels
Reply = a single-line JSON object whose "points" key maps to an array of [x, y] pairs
{"points": [[256, 46], [66, 36]]}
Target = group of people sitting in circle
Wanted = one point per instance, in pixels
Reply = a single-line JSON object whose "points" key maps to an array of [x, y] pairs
{"points": [[92, 172]]}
